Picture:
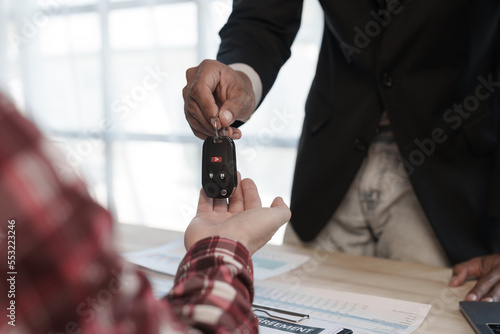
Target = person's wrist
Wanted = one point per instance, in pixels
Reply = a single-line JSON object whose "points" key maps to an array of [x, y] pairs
{"points": [[199, 247], [249, 104]]}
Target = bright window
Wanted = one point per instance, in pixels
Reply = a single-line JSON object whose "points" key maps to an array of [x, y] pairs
{"points": [[103, 79]]}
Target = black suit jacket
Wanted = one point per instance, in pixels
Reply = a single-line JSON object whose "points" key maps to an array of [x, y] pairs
{"points": [[433, 65]]}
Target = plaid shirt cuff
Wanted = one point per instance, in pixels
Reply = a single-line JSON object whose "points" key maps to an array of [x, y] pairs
{"points": [[220, 269]]}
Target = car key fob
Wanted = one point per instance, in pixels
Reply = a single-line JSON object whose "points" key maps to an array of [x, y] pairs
{"points": [[219, 174]]}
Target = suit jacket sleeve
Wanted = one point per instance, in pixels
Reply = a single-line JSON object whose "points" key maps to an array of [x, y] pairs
{"points": [[260, 34], [493, 207]]}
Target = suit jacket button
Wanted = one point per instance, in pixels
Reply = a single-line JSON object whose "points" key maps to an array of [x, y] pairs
{"points": [[387, 80], [360, 145]]}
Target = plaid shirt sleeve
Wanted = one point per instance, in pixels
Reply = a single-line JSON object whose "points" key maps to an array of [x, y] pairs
{"points": [[67, 277]]}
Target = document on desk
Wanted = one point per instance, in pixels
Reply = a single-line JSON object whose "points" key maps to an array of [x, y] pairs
{"points": [[270, 322], [269, 325], [161, 286], [166, 258], [364, 314], [329, 310]]}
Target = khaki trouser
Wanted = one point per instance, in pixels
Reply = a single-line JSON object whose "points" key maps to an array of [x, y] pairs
{"points": [[380, 214]]}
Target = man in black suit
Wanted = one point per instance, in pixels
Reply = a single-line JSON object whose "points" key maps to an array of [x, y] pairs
{"points": [[427, 70]]}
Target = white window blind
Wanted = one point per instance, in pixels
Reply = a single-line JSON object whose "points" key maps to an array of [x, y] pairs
{"points": [[103, 79]]}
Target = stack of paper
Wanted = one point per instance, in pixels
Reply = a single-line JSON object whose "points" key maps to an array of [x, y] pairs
{"points": [[364, 314], [166, 259], [319, 310]]}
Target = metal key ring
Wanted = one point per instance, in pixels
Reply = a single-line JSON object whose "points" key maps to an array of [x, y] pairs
{"points": [[217, 131], [215, 126]]}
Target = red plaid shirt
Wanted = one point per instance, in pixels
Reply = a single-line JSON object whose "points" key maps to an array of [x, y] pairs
{"points": [[67, 277]]}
